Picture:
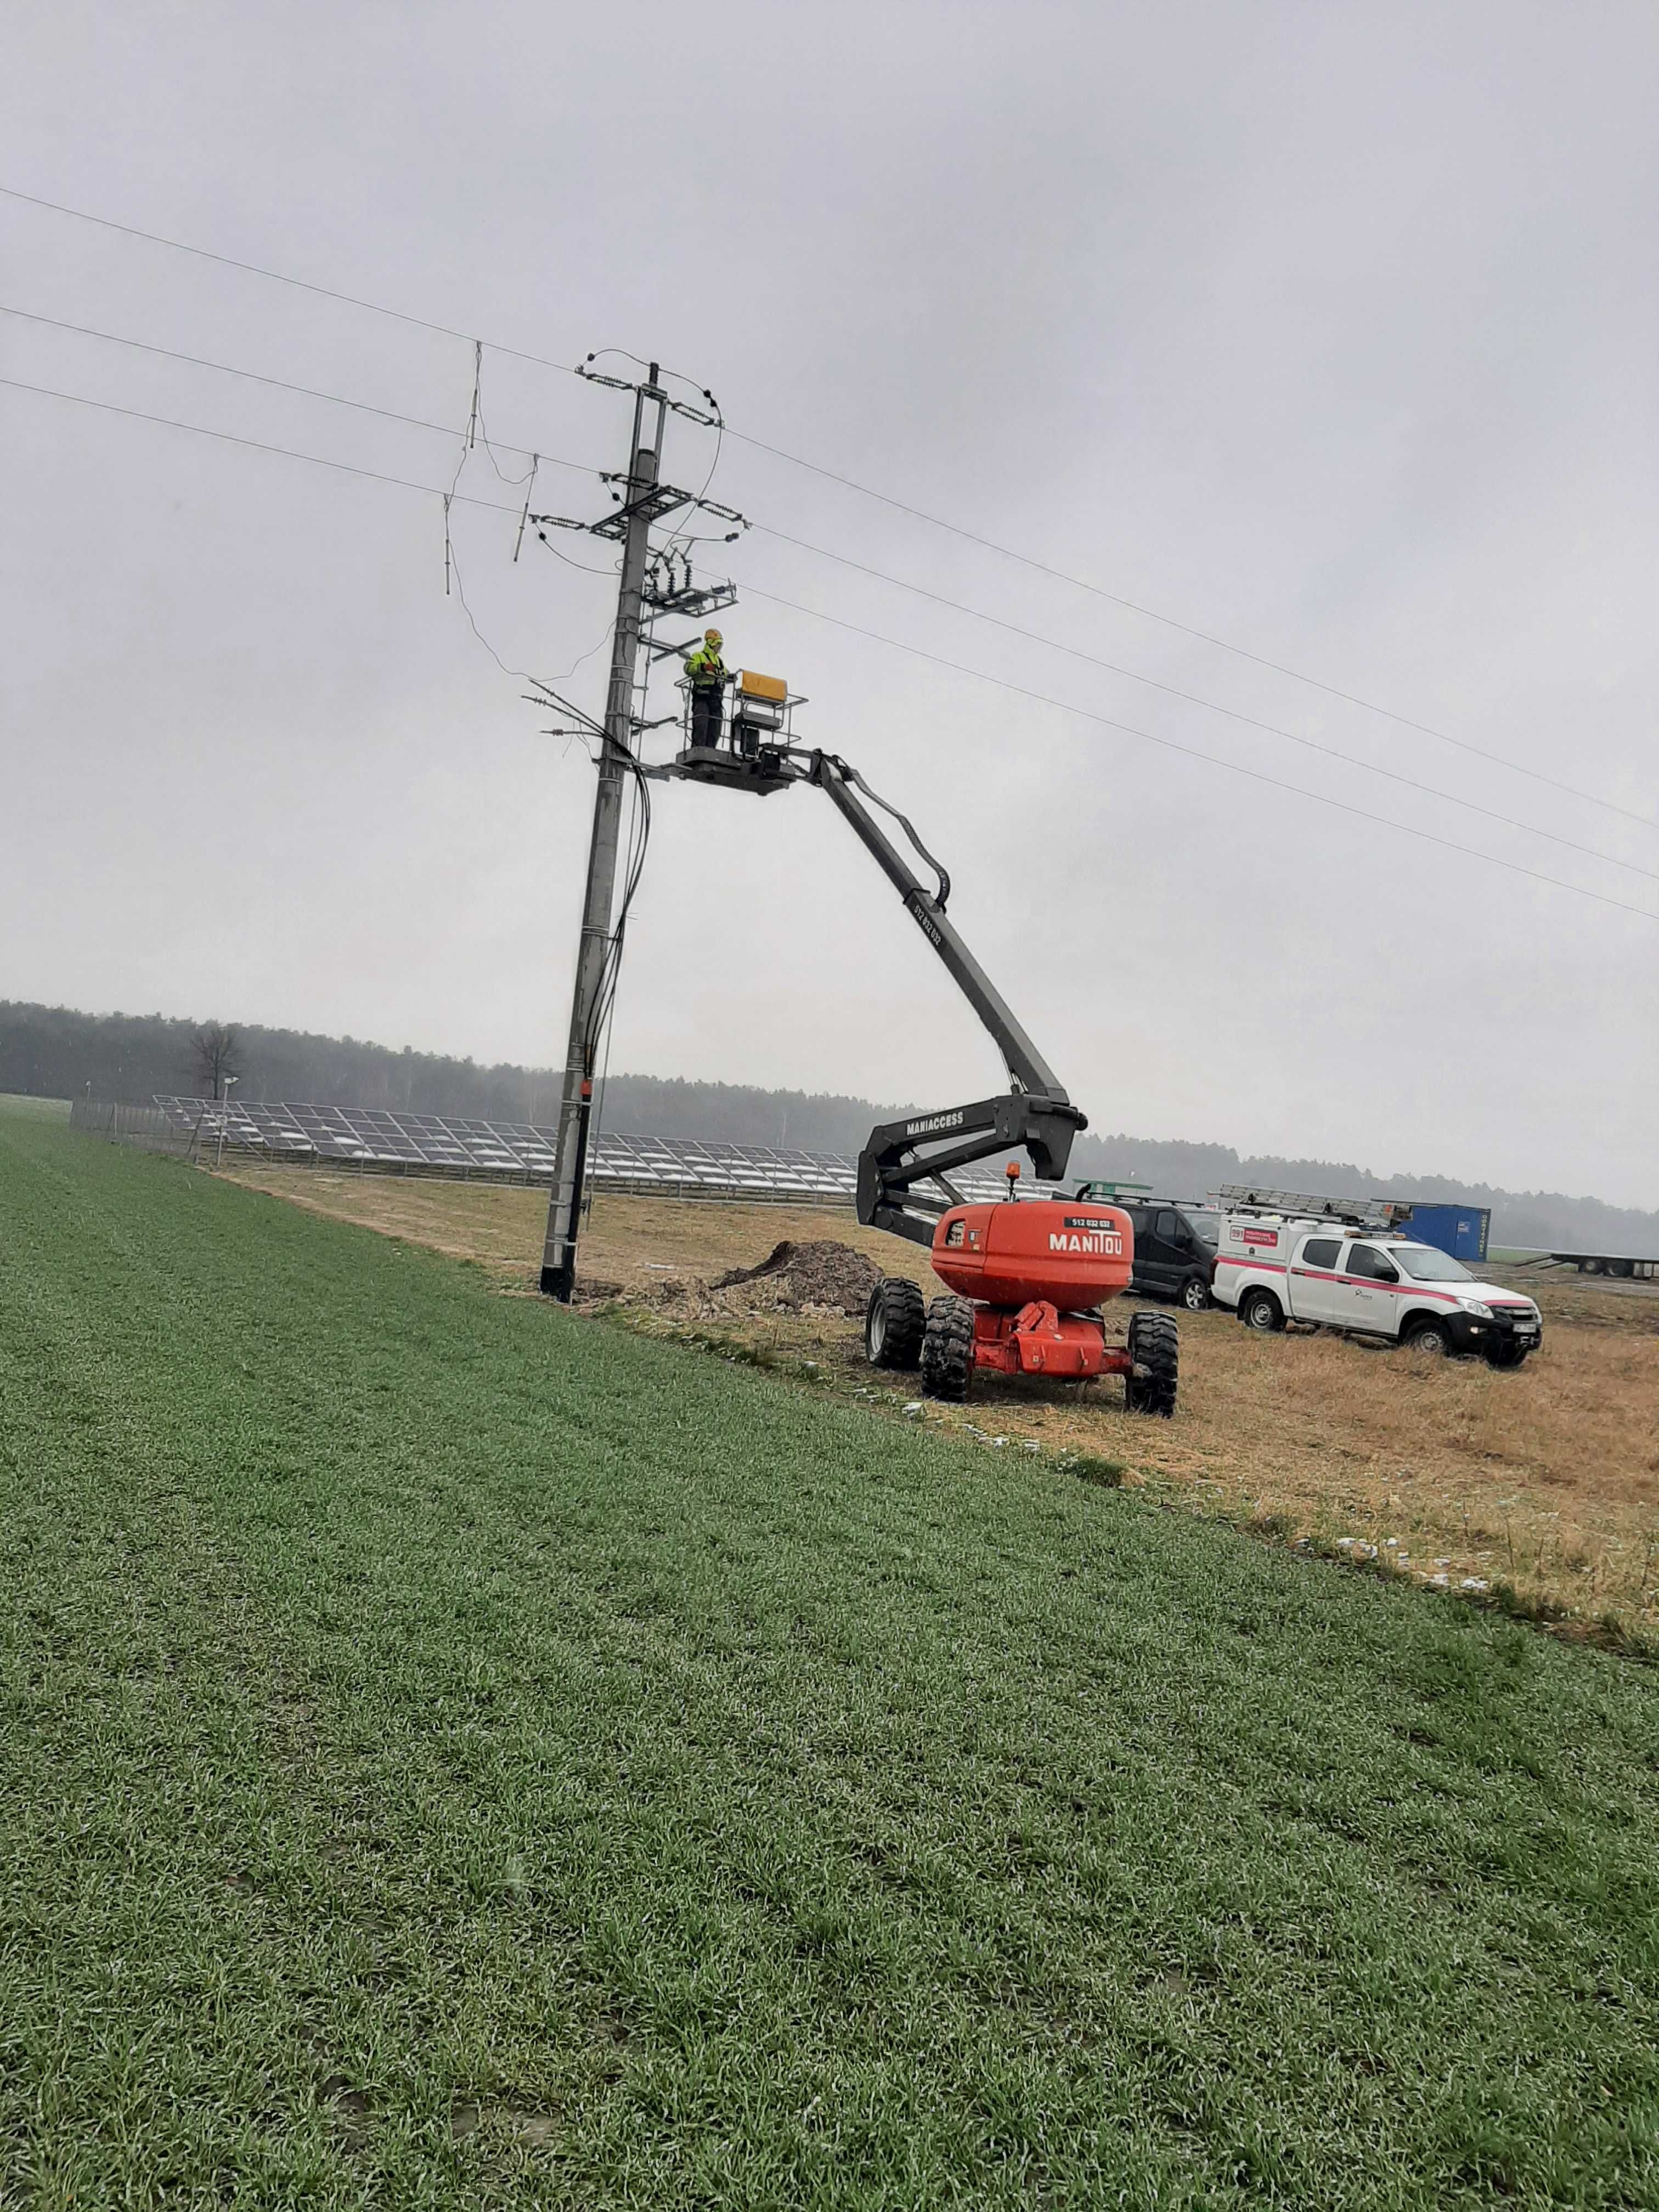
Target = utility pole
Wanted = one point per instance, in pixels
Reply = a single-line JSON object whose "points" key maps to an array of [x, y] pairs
{"points": [[647, 591], [640, 508]]}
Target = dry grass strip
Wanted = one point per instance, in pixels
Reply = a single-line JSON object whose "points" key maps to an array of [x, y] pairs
{"points": [[1546, 1480]]}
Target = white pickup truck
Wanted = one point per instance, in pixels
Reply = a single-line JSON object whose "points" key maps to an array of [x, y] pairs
{"points": [[1371, 1283]]}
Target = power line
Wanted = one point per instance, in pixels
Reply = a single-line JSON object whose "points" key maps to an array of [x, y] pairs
{"points": [[522, 673], [821, 552], [568, 562], [276, 276], [454, 565], [309, 391], [373, 476], [281, 384], [256, 445], [289, 452], [867, 491], [1214, 760], [1106, 722], [1187, 629], [1214, 706], [874, 635]]}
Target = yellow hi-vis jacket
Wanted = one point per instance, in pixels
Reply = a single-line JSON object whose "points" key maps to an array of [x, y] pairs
{"points": [[705, 668]]}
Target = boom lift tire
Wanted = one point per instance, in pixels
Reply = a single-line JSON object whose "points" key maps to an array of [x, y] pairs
{"points": [[894, 1321], [1260, 1309], [1154, 1364], [947, 1349]]}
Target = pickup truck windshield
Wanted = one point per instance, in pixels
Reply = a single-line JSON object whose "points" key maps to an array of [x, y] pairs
{"points": [[1425, 1265]]}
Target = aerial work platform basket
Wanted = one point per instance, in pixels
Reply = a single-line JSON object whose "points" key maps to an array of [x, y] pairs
{"points": [[750, 750]]}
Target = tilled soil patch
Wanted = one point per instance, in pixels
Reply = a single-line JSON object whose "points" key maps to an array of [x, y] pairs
{"points": [[816, 1277], [821, 1273]]}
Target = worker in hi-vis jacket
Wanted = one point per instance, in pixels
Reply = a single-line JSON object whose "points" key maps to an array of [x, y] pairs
{"points": [[707, 672]]}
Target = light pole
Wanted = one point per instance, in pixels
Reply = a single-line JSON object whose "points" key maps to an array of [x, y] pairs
{"points": [[224, 1111]]}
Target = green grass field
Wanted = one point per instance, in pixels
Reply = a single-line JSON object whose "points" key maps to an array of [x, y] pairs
{"points": [[16, 1107], [456, 1754]]}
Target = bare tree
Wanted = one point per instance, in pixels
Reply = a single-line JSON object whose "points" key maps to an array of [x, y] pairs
{"points": [[218, 1054]]}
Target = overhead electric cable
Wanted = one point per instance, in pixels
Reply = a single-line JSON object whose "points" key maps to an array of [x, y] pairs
{"points": [[282, 384], [453, 563], [569, 564], [374, 476], [1187, 629], [277, 276], [1106, 722], [866, 491], [1193, 752], [289, 452], [1214, 706], [257, 446]]}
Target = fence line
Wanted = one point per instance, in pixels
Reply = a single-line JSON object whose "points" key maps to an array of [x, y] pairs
{"points": [[131, 1122]]}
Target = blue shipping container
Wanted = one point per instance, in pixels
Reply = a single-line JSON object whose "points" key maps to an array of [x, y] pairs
{"points": [[1460, 1229]]}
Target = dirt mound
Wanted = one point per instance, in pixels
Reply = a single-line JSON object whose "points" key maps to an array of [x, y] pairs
{"points": [[822, 1274]]}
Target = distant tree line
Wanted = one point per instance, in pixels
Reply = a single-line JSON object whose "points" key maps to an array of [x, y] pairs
{"points": [[52, 1052]]}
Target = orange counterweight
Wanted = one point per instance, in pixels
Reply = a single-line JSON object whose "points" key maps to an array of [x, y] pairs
{"points": [[1067, 1254]]}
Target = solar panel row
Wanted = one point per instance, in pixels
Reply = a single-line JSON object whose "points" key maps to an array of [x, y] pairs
{"points": [[376, 1139]]}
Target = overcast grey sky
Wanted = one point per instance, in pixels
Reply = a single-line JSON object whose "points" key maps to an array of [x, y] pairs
{"points": [[1329, 330]]}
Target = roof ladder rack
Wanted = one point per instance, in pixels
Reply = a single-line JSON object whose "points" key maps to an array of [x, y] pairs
{"points": [[1361, 1212]]}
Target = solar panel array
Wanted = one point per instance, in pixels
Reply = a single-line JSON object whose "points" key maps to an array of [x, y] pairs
{"points": [[377, 1141]]}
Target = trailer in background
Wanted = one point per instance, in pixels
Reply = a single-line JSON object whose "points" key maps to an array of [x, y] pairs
{"points": [[1608, 1263]]}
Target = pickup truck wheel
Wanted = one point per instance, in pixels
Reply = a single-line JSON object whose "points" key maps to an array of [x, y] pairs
{"points": [[894, 1321], [1426, 1336], [947, 1349], [1507, 1355], [1154, 1364], [1195, 1294], [1260, 1309]]}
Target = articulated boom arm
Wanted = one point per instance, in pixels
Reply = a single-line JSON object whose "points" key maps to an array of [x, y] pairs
{"points": [[1036, 1113]]}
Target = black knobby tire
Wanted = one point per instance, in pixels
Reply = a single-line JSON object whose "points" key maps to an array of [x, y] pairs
{"points": [[1154, 1372], [1507, 1356], [1261, 1311], [893, 1323], [1195, 1294], [947, 1349], [1426, 1336]]}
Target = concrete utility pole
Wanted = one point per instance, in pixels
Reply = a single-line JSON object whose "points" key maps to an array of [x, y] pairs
{"points": [[640, 506]]}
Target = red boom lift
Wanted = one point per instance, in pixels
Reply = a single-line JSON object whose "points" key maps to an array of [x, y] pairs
{"points": [[1028, 1278]]}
